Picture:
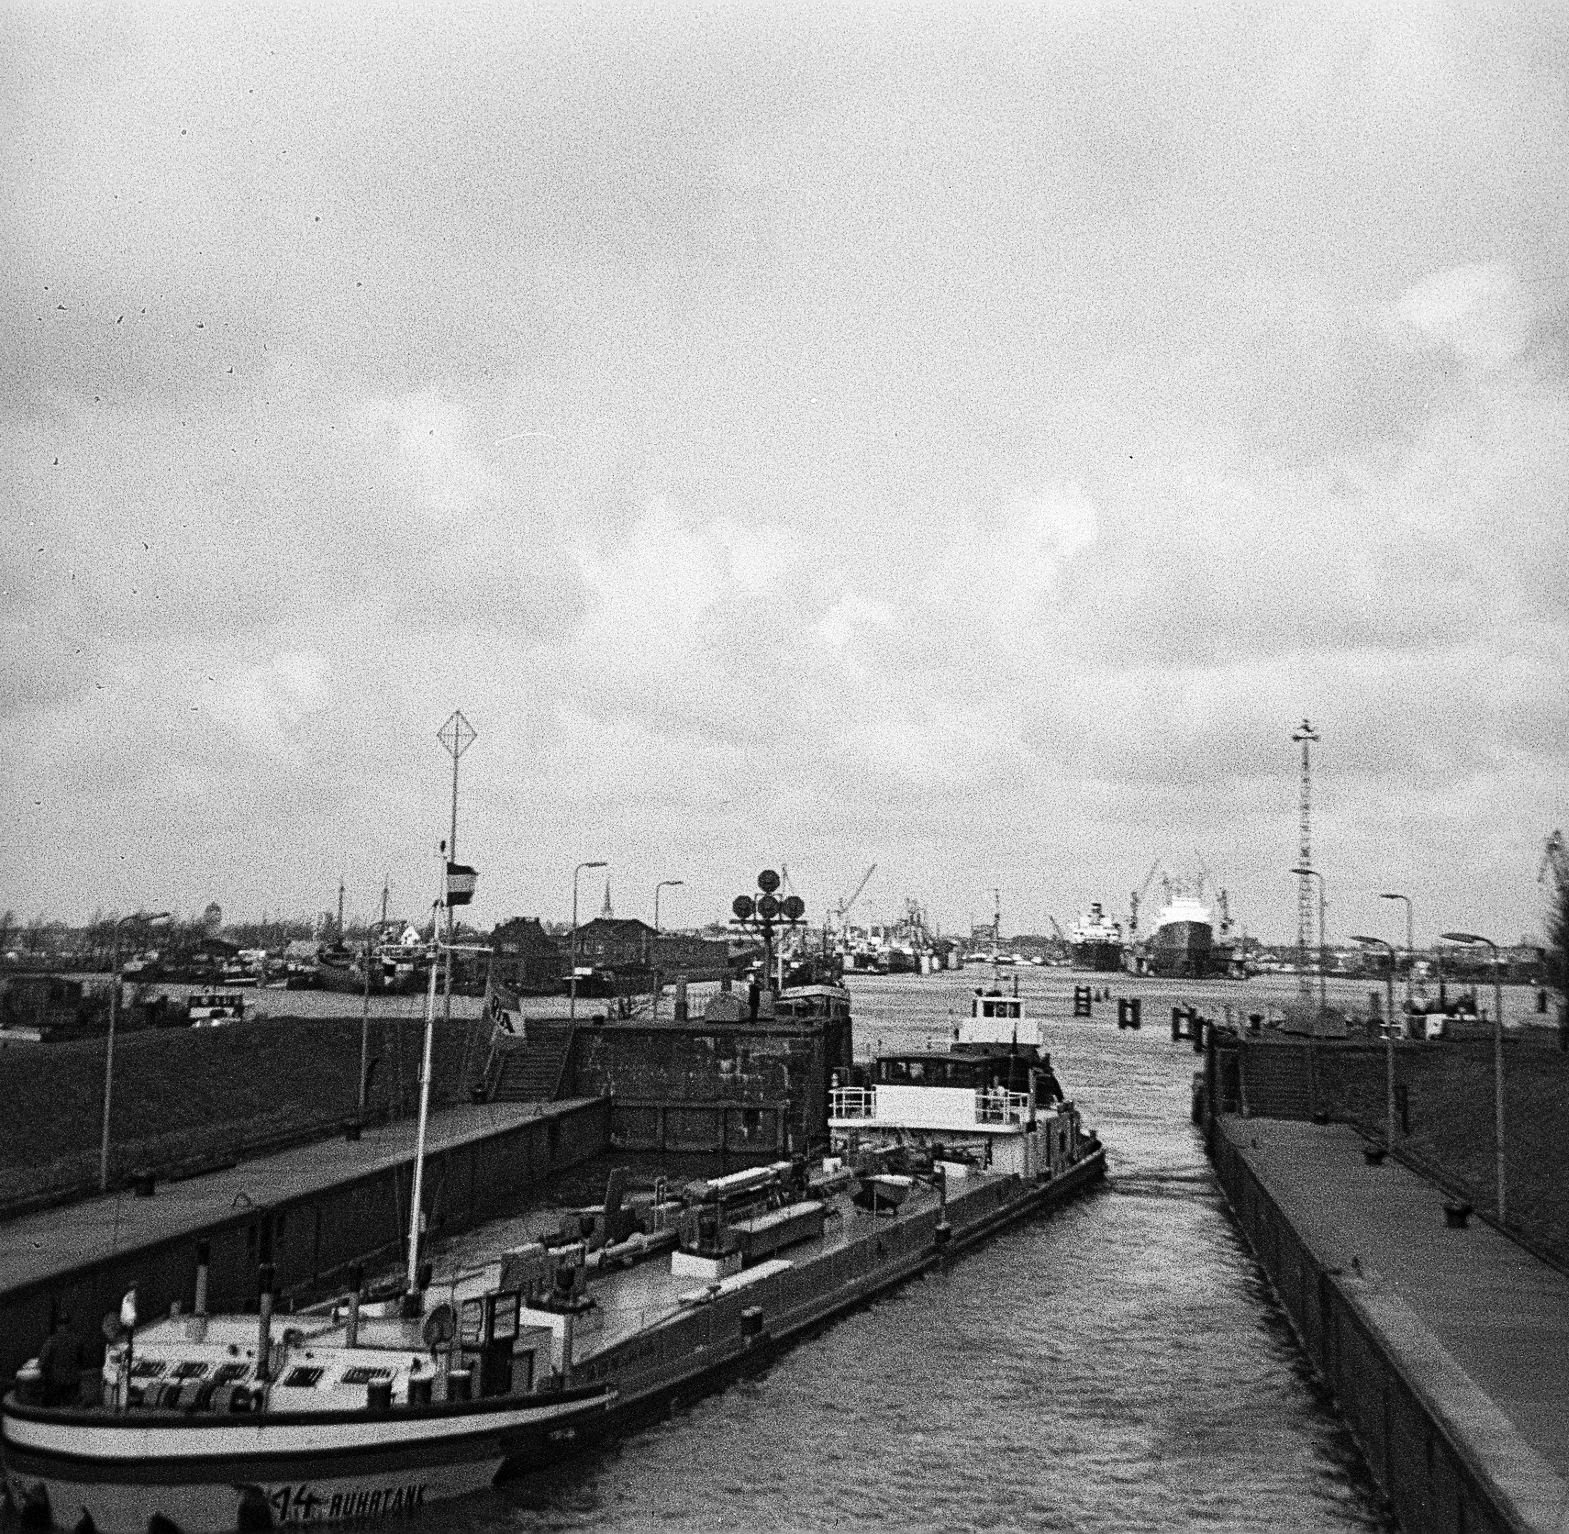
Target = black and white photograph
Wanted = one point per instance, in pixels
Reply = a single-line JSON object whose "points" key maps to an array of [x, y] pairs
{"points": [[784, 765]]}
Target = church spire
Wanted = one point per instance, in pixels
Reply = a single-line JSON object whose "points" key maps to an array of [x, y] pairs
{"points": [[607, 913]]}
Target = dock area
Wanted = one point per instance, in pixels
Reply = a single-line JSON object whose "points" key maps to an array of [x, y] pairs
{"points": [[1447, 1348], [311, 1211]]}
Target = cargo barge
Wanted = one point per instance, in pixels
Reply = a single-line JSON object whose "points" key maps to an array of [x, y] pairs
{"points": [[368, 1407]]}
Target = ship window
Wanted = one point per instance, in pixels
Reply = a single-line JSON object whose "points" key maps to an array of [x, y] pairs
{"points": [[471, 1330], [504, 1317], [191, 1369], [917, 1070], [303, 1378], [147, 1368], [361, 1375], [228, 1373]]}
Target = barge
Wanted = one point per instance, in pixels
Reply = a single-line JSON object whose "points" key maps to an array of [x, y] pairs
{"points": [[366, 1408]]}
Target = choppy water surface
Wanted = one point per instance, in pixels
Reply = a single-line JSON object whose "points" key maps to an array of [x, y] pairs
{"points": [[1117, 1366]]}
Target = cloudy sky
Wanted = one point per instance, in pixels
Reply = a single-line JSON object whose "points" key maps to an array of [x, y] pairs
{"points": [[962, 438]]}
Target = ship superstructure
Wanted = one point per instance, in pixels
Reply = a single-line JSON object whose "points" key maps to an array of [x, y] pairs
{"points": [[1097, 940]]}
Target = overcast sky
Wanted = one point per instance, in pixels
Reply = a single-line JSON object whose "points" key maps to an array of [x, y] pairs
{"points": [[967, 439]]}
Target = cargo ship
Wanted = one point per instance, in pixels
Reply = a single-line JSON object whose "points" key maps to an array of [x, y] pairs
{"points": [[1096, 943], [1185, 944]]}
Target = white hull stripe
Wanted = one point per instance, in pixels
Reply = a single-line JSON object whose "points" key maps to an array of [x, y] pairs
{"points": [[123, 1441]]}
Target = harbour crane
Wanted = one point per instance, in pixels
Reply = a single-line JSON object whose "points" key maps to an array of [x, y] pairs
{"points": [[1136, 897], [1062, 937], [843, 907]]}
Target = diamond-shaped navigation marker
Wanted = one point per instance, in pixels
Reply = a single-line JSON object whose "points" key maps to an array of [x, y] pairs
{"points": [[457, 734]]}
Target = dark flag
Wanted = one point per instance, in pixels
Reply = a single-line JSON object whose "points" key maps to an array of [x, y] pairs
{"points": [[461, 880]]}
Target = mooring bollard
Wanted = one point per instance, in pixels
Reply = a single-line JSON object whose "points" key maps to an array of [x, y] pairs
{"points": [[1456, 1213]]}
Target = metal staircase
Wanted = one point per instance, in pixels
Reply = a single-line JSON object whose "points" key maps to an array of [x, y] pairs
{"points": [[530, 1070]]}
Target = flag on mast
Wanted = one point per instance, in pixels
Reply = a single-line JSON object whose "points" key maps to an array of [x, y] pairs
{"points": [[461, 880]]}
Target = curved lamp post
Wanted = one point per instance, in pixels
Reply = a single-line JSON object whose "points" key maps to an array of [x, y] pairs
{"points": [[1389, 1041], [114, 1010], [663, 884], [572, 1004], [1498, 1057], [1410, 947]]}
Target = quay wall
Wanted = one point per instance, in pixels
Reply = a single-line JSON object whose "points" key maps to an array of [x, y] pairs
{"points": [[188, 1099], [313, 1238], [1444, 1105], [1423, 1469]]}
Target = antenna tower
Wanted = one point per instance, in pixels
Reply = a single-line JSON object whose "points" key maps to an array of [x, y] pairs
{"points": [[1305, 736]]}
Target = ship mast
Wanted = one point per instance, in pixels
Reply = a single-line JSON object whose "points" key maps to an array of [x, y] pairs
{"points": [[424, 1075]]}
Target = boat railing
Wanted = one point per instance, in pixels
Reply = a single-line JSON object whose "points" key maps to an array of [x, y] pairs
{"points": [[994, 1105], [853, 1103]]}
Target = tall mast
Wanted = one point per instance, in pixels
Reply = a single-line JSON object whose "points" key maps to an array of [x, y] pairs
{"points": [[424, 1079], [456, 735], [1305, 736]]}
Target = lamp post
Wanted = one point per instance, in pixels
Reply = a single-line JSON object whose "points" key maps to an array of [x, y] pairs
{"points": [[1410, 949], [1313, 873], [114, 1011], [1498, 1058], [1389, 1041], [572, 1005], [663, 884]]}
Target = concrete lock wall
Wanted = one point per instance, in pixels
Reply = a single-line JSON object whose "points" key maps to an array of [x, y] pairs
{"points": [[1425, 1475], [313, 1239], [1444, 1111], [744, 1088]]}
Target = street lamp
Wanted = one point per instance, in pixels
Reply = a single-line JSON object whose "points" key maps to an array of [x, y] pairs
{"points": [[1389, 1041], [572, 1005], [1410, 949], [114, 1009], [663, 884], [1313, 873], [1498, 1057]]}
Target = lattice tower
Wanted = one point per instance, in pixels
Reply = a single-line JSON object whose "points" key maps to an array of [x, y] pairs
{"points": [[1305, 736]]}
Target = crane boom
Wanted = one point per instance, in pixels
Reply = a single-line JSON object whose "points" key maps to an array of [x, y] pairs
{"points": [[844, 905], [1062, 937]]}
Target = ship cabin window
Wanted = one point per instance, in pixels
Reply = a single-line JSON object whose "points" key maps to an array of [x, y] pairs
{"points": [[306, 1377], [191, 1369], [504, 1316], [361, 1375], [471, 1328], [1001, 1006], [228, 1373], [147, 1368], [927, 1072]]}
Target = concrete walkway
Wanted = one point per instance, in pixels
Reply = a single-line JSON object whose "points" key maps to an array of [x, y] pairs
{"points": [[56, 1242], [1472, 1317]]}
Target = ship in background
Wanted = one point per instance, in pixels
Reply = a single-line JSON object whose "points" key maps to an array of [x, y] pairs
{"points": [[1097, 940], [1187, 943]]}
